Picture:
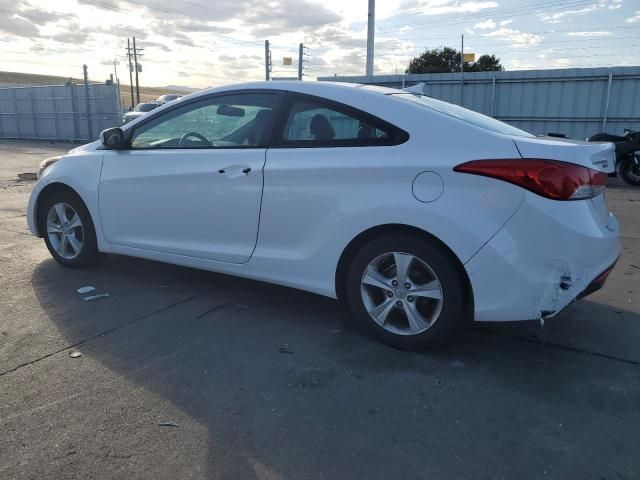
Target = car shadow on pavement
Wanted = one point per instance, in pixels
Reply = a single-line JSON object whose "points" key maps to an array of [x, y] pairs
{"points": [[286, 388]]}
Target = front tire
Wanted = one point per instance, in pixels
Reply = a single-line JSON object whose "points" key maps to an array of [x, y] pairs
{"points": [[68, 230], [407, 291]]}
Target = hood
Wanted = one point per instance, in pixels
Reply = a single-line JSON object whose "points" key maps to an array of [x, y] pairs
{"points": [[597, 156], [85, 148]]}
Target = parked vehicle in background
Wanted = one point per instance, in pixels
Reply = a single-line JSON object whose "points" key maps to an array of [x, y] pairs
{"points": [[627, 154], [417, 213], [138, 111], [161, 100]]}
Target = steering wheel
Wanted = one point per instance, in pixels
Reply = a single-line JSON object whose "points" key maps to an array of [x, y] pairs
{"points": [[184, 137]]}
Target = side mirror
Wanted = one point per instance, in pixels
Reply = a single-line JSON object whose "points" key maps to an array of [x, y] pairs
{"points": [[112, 138]]}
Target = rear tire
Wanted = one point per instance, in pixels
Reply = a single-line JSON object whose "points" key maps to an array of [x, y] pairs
{"points": [[629, 170], [68, 230], [416, 310]]}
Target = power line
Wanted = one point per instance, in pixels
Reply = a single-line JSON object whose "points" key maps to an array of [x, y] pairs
{"points": [[502, 14]]}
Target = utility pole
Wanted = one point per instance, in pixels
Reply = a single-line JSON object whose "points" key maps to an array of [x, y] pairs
{"points": [[462, 71], [300, 60], [130, 70], [371, 26], [267, 60], [88, 101], [135, 60]]}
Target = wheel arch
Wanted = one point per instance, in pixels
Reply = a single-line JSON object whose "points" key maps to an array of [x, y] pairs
{"points": [[390, 229], [45, 193]]}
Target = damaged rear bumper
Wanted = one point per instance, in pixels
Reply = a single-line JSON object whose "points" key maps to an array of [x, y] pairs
{"points": [[546, 256]]}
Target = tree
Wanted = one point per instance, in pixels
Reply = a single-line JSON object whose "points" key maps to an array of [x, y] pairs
{"points": [[486, 63], [447, 60]]}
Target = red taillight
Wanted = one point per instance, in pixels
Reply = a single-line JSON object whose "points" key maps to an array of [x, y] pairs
{"points": [[549, 178]]}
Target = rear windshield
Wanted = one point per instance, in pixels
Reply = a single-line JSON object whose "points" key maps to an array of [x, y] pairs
{"points": [[461, 113]]}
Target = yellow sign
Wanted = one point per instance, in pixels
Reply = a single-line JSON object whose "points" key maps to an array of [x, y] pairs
{"points": [[469, 57], [287, 61]]}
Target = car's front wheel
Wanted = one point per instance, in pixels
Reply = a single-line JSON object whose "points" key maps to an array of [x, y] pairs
{"points": [[407, 291], [68, 230]]}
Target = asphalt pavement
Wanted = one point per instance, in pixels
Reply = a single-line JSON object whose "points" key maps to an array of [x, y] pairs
{"points": [[182, 374]]}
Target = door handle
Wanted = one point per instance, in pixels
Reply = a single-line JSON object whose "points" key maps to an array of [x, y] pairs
{"points": [[246, 170]]}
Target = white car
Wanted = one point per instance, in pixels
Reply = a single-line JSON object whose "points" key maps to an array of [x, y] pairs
{"points": [[140, 110], [418, 213]]}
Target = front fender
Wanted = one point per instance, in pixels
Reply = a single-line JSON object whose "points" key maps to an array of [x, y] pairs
{"points": [[80, 173]]}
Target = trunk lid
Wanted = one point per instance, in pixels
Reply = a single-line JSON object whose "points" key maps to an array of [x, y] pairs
{"points": [[598, 156]]}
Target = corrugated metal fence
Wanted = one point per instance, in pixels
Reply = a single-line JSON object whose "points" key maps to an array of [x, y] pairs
{"points": [[577, 102], [58, 112]]}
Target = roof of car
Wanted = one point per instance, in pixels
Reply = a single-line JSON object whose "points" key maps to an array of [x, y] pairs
{"points": [[313, 88]]}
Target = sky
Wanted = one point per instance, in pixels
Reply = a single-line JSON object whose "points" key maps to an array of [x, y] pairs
{"points": [[200, 43]]}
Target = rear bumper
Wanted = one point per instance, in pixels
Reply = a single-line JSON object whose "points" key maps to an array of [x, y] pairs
{"points": [[547, 255], [597, 283]]}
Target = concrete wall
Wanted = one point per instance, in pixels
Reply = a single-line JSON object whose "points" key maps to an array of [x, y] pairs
{"points": [[577, 101], [58, 112]]}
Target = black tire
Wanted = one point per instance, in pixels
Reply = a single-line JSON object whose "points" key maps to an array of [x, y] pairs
{"points": [[452, 283], [89, 254], [629, 170]]}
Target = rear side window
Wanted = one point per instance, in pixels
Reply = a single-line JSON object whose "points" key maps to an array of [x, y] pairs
{"points": [[317, 123]]}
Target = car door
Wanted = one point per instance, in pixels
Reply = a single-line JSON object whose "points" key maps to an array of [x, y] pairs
{"points": [[190, 182], [328, 161]]}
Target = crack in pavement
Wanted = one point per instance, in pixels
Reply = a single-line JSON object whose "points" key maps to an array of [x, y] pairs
{"points": [[28, 234], [105, 332], [559, 346]]}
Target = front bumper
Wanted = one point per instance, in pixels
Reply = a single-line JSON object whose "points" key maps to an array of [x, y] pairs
{"points": [[546, 256], [32, 222]]}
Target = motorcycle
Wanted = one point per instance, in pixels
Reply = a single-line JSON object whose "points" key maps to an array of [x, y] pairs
{"points": [[627, 153]]}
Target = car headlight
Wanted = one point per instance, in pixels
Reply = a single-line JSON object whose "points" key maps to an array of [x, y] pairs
{"points": [[46, 164]]}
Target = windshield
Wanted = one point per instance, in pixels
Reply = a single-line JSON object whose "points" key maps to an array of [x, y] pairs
{"points": [[145, 107], [464, 114]]}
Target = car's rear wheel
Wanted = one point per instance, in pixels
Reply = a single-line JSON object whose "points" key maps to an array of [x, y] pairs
{"points": [[407, 291], [68, 230]]}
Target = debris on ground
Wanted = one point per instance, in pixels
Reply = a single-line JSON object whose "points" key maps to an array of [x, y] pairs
{"points": [[167, 424], [285, 349], [75, 354], [95, 297], [86, 289]]}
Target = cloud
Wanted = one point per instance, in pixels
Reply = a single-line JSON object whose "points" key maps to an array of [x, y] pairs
{"points": [[505, 22], [486, 25], [558, 16], [590, 34], [19, 26], [635, 18], [439, 7], [516, 37]]}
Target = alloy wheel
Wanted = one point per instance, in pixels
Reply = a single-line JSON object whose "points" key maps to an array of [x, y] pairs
{"points": [[65, 230], [401, 293]]}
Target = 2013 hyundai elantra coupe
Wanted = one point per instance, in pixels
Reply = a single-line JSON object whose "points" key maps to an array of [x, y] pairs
{"points": [[416, 212]]}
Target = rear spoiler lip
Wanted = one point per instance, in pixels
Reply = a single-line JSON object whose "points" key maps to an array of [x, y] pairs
{"points": [[596, 156]]}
